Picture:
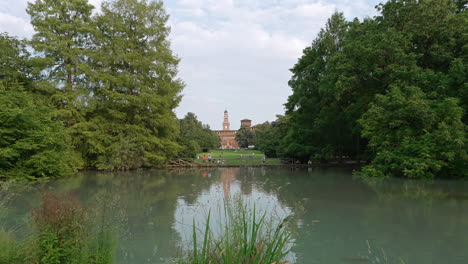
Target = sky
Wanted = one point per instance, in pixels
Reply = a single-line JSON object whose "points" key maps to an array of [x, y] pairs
{"points": [[235, 54]]}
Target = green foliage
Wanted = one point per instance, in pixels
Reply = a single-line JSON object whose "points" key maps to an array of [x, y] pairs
{"points": [[410, 44], [32, 144], [130, 119], [14, 67], [64, 232], [415, 137], [67, 232], [245, 137], [63, 35], [63, 30], [11, 250], [268, 137], [63, 229], [111, 77], [316, 127], [194, 136]]}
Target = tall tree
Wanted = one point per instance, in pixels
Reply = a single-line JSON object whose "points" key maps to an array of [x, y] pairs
{"points": [[314, 90], [63, 32], [135, 88]]}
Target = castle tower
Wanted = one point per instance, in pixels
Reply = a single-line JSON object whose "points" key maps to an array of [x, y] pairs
{"points": [[246, 122], [226, 120]]}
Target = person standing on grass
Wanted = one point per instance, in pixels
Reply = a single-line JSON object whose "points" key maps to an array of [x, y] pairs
{"points": [[264, 159], [204, 158]]}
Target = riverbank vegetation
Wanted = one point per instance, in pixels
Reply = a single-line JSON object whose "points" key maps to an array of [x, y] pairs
{"points": [[242, 157], [195, 137], [60, 230], [391, 90]]}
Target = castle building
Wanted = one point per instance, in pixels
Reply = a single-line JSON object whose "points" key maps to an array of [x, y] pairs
{"points": [[228, 136]]}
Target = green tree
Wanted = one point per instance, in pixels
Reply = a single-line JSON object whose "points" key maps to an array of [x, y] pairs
{"points": [[63, 36], [415, 137], [316, 128], [194, 136], [245, 137], [32, 144], [130, 120], [410, 44], [268, 136], [14, 66]]}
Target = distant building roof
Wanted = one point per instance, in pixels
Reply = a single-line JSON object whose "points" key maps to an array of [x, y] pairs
{"points": [[246, 119]]}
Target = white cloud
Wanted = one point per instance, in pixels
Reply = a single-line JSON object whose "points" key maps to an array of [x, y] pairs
{"points": [[241, 56], [15, 26], [313, 10]]}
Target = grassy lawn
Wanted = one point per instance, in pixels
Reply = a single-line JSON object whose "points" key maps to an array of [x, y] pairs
{"points": [[236, 158]]}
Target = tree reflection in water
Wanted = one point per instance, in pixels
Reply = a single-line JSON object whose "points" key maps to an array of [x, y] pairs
{"points": [[341, 213]]}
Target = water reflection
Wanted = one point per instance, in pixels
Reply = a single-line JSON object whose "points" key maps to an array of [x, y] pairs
{"points": [[226, 186], [419, 222]]}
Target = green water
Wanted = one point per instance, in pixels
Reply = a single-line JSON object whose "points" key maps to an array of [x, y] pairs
{"points": [[343, 219]]}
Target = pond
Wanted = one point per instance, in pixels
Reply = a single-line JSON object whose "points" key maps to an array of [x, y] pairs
{"points": [[343, 219]]}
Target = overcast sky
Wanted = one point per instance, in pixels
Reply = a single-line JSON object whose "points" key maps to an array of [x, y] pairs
{"points": [[236, 54]]}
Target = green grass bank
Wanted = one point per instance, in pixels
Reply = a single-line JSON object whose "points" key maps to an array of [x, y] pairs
{"points": [[244, 157]]}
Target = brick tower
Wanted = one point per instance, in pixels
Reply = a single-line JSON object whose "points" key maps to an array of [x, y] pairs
{"points": [[226, 120], [246, 122], [227, 136]]}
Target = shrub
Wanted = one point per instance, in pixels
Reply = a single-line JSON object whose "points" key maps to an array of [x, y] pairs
{"points": [[63, 228], [67, 232], [10, 249], [32, 143]]}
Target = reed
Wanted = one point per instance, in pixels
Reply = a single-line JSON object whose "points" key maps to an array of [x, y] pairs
{"points": [[241, 235]]}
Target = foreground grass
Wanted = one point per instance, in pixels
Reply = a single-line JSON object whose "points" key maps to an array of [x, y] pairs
{"points": [[60, 231], [241, 235]]}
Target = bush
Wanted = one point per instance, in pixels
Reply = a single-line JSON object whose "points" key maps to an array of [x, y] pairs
{"points": [[11, 251], [65, 233], [63, 229], [415, 136], [32, 144]]}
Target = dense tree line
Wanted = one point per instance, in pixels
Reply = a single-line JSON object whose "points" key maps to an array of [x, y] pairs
{"points": [[89, 90], [195, 137], [390, 89], [269, 136]]}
